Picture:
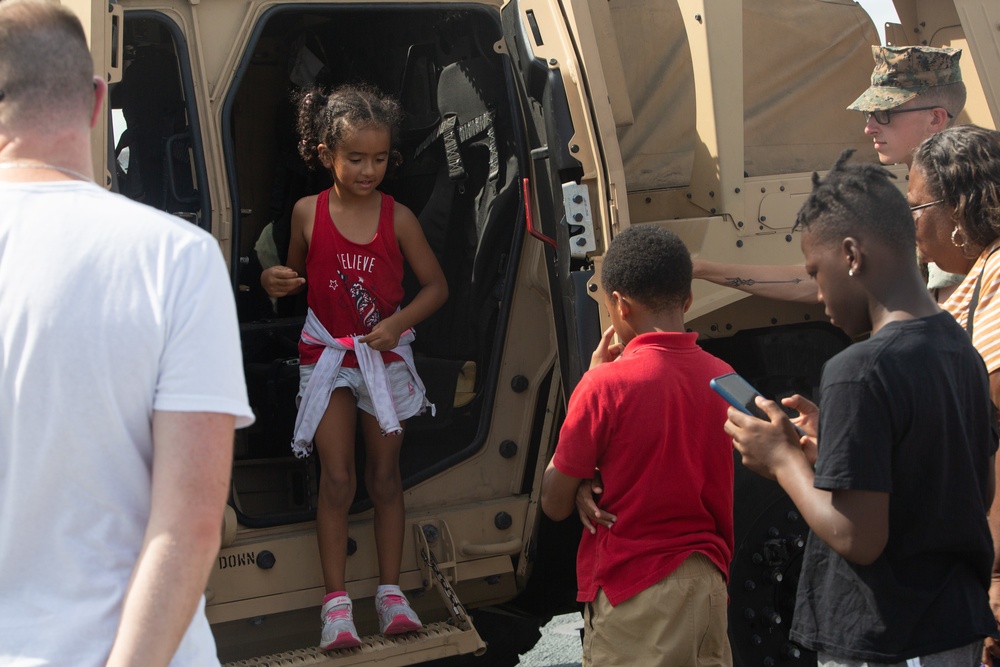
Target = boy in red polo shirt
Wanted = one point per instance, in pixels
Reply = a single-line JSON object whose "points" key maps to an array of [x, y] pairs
{"points": [[654, 580]]}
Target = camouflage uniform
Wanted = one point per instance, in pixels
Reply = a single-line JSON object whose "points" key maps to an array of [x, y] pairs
{"points": [[903, 72]]}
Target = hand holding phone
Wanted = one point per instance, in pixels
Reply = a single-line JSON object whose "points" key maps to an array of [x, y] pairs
{"points": [[741, 395]]}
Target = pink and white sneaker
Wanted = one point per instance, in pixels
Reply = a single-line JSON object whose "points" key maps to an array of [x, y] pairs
{"points": [[338, 625], [394, 613]]}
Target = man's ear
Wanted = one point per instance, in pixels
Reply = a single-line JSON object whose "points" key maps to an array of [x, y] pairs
{"points": [[940, 119], [100, 93]]}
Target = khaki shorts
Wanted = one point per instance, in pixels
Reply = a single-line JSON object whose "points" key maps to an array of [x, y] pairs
{"points": [[406, 396], [677, 622]]}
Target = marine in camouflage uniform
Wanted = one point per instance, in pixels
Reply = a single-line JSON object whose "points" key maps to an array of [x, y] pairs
{"points": [[904, 73]]}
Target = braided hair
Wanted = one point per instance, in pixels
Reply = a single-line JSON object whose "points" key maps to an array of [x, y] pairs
{"points": [[853, 199], [327, 117]]}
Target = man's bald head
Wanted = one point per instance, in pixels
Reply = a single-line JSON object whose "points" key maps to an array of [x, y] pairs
{"points": [[46, 70]]}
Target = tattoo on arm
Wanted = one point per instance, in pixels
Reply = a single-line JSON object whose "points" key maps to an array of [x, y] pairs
{"points": [[741, 282]]}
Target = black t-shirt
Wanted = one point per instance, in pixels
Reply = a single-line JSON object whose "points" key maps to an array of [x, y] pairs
{"points": [[906, 412]]}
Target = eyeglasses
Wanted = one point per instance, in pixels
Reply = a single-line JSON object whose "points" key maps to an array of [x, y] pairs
{"points": [[884, 116], [920, 207]]}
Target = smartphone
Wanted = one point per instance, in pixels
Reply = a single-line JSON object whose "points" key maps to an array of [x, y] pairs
{"points": [[741, 395]]}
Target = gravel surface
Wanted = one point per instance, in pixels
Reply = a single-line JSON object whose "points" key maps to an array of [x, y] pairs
{"points": [[559, 645]]}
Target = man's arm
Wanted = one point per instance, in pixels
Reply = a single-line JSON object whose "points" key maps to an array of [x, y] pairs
{"points": [[784, 283], [558, 493], [192, 459], [853, 523]]}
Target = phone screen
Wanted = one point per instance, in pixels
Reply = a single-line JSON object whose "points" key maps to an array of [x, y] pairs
{"points": [[739, 393]]}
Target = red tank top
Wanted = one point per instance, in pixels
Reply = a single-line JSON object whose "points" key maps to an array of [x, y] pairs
{"points": [[352, 286]]}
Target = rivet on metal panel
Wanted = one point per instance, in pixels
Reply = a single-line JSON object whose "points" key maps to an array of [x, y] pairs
{"points": [[508, 449]]}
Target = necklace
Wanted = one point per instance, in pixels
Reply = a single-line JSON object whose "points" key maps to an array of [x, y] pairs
{"points": [[44, 165]]}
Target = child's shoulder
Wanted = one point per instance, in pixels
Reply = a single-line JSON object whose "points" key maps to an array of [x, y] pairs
{"points": [[306, 204]]}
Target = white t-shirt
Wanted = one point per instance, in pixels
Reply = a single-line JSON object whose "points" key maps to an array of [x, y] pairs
{"points": [[108, 310]]}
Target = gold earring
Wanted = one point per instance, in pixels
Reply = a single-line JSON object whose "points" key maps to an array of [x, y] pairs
{"points": [[955, 232], [850, 272]]}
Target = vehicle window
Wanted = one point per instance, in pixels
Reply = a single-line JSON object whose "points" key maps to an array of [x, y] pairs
{"points": [[156, 158]]}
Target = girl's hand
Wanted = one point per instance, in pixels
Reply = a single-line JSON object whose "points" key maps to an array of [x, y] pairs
{"points": [[384, 336], [606, 350], [280, 281]]}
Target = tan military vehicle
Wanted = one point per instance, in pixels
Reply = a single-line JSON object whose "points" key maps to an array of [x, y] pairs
{"points": [[535, 130]]}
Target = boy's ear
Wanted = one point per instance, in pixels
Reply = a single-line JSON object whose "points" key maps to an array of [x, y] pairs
{"points": [[623, 305], [853, 254], [688, 301]]}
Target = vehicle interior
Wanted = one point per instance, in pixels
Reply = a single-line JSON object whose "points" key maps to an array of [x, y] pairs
{"points": [[460, 176]]}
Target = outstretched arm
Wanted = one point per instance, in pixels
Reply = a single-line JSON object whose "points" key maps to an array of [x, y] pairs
{"points": [[192, 458], [784, 283], [853, 523]]}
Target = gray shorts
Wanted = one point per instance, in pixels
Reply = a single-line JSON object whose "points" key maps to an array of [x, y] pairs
{"points": [[963, 656], [407, 398]]}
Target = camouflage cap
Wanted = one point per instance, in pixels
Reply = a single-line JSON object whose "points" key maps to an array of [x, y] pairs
{"points": [[903, 72]]}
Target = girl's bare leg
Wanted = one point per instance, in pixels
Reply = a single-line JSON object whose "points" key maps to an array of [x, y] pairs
{"points": [[385, 487], [335, 444]]}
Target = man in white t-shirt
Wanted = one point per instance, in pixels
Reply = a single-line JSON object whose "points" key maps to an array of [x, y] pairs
{"points": [[120, 383]]}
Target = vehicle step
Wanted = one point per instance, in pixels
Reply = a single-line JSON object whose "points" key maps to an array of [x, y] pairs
{"points": [[436, 640]]}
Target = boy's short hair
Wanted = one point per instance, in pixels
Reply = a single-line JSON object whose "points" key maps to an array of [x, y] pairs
{"points": [[650, 265], [858, 200]]}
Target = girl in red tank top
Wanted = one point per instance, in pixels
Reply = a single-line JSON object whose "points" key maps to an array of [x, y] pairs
{"points": [[347, 249]]}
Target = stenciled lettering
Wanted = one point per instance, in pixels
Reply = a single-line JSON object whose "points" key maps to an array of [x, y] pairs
{"points": [[237, 560]]}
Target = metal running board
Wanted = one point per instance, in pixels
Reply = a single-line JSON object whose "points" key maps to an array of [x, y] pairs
{"points": [[436, 640], [456, 636]]}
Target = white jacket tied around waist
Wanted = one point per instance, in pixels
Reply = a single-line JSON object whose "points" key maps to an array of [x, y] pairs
{"points": [[317, 393]]}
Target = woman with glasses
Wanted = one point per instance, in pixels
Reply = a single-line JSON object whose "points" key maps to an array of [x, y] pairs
{"points": [[954, 194]]}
